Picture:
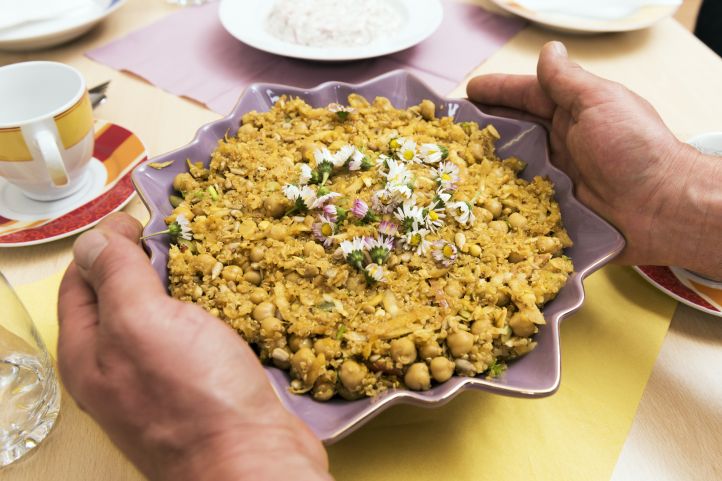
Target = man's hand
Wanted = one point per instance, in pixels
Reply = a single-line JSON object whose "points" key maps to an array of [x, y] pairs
{"points": [[179, 392], [626, 165]]}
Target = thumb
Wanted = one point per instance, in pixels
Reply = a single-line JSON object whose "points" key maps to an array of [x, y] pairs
{"points": [[570, 86], [116, 268]]}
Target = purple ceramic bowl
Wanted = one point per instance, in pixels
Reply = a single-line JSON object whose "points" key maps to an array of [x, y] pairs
{"points": [[535, 375]]}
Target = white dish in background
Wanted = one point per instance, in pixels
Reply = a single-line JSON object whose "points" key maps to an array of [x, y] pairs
{"points": [[641, 14], [246, 21], [47, 33]]}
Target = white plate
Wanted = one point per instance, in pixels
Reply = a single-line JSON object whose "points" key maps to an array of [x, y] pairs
{"points": [[46, 33], [246, 20], [644, 17]]}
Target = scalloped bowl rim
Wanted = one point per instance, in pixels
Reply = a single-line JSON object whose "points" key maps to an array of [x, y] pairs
{"points": [[442, 393]]}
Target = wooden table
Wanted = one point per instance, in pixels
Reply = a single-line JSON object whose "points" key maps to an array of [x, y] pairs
{"points": [[677, 433]]}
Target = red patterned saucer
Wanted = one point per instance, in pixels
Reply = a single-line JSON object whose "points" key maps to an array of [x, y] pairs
{"points": [[117, 151], [686, 287]]}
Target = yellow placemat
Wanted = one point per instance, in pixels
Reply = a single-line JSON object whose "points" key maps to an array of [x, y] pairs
{"points": [[41, 300], [608, 350]]}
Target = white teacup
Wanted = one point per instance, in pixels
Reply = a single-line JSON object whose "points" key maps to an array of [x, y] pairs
{"points": [[46, 128]]}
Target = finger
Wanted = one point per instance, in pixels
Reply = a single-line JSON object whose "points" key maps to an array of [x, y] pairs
{"points": [[521, 92], [566, 83], [122, 224], [78, 324], [118, 270]]}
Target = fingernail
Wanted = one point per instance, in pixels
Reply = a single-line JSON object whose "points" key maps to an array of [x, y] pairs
{"points": [[559, 49], [88, 247]]}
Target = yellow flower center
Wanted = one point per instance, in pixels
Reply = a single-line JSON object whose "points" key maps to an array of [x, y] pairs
{"points": [[326, 230], [408, 155], [448, 251], [433, 215], [445, 177], [394, 144], [415, 240]]}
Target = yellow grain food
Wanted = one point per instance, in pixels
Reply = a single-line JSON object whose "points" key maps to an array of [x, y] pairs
{"points": [[366, 247]]}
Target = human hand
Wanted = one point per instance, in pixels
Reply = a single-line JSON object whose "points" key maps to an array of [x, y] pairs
{"points": [[179, 392], [625, 163]]}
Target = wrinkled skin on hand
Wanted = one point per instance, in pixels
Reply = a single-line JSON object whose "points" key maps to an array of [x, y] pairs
{"points": [[625, 163], [179, 392]]}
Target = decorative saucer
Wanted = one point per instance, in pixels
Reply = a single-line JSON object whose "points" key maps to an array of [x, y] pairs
{"points": [[105, 189], [685, 286]]}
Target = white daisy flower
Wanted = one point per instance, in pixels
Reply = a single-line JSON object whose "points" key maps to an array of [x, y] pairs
{"points": [[384, 201], [407, 151], [292, 192], [396, 142], [415, 240], [324, 199], [305, 174], [356, 162], [343, 155], [410, 215], [379, 248], [446, 175], [308, 196], [430, 153], [375, 273], [461, 211], [442, 198], [434, 218], [323, 155], [444, 253], [357, 244], [181, 228], [341, 111], [324, 230]]}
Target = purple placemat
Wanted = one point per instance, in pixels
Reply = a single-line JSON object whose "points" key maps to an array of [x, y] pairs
{"points": [[189, 53]]}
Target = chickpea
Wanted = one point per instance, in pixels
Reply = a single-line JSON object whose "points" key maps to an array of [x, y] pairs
{"points": [[480, 326], [499, 226], [278, 232], [430, 349], [521, 325], [275, 205], [477, 151], [270, 325], [352, 375], [258, 253], [454, 289], [493, 206], [302, 361], [310, 271], [296, 342], [184, 182], [183, 210], [517, 220], [204, 263], [516, 256], [403, 350], [252, 277], [232, 273], [460, 343], [263, 310], [330, 348], [323, 391], [417, 377], [258, 295], [547, 244], [475, 250], [427, 109], [442, 369], [311, 249]]}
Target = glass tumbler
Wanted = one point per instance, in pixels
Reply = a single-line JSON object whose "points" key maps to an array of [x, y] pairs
{"points": [[29, 392]]}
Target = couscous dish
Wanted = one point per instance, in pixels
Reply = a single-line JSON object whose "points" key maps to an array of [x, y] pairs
{"points": [[365, 247]]}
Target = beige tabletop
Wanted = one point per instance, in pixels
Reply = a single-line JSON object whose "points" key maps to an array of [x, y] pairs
{"points": [[677, 432]]}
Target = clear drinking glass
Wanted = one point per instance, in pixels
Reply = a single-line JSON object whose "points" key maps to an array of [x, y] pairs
{"points": [[29, 392]]}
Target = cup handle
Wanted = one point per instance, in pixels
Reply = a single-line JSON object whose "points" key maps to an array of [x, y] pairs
{"points": [[50, 153]]}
